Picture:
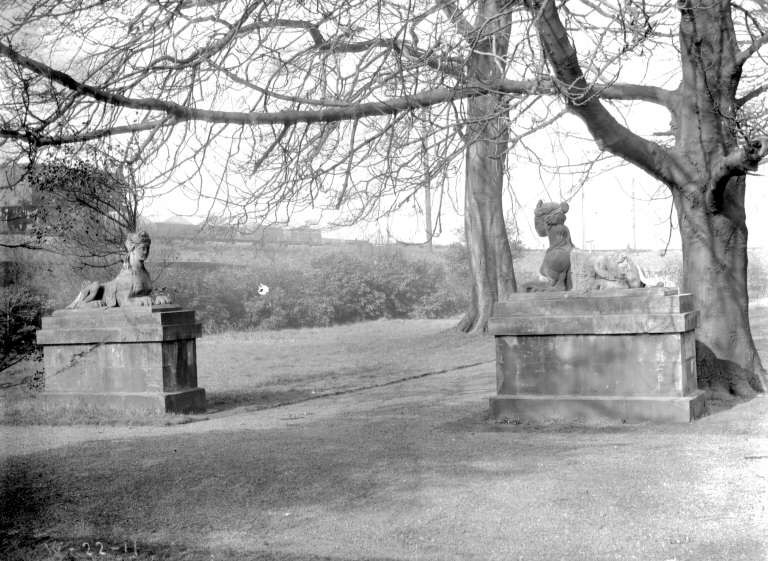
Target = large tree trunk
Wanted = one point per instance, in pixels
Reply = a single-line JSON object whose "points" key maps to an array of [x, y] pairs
{"points": [[704, 171], [710, 208], [487, 138], [490, 257], [715, 272]]}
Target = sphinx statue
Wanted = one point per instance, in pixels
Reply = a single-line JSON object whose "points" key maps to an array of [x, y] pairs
{"points": [[131, 287], [555, 270], [114, 350]]}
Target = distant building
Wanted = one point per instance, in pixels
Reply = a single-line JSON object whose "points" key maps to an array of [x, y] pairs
{"points": [[18, 203], [260, 234], [18, 206]]}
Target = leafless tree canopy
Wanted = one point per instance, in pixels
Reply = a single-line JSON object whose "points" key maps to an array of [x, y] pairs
{"points": [[258, 105], [283, 105], [79, 204]]}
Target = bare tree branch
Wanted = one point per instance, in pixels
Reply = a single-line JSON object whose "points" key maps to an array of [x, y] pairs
{"points": [[742, 56], [582, 100], [637, 92], [755, 93], [183, 113]]}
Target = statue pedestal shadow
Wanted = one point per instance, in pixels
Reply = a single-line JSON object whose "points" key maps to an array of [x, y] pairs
{"points": [[124, 358], [616, 355]]}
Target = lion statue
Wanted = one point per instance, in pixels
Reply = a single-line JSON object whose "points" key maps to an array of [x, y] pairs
{"points": [[615, 270]]}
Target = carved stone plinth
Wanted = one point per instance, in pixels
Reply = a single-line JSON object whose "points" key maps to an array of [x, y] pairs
{"points": [[122, 358], [618, 355]]}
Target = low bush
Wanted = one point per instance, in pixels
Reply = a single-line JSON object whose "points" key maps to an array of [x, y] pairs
{"points": [[409, 287], [349, 287], [20, 312], [293, 301]]}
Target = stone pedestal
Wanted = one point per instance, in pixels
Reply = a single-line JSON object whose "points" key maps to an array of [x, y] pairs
{"points": [[617, 355], [122, 358]]}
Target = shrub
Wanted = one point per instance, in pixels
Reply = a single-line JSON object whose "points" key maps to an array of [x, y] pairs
{"points": [[290, 302], [348, 284], [444, 302], [217, 293], [406, 284], [20, 314]]}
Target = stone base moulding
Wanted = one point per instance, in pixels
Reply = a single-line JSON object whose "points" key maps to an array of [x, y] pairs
{"points": [[615, 355], [185, 401], [127, 359], [570, 408]]}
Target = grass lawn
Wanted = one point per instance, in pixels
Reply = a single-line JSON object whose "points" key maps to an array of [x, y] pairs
{"points": [[263, 368], [266, 368]]}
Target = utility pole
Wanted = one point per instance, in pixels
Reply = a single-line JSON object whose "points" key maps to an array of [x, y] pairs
{"points": [[428, 210], [583, 222], [634, 218], [427, 189]]}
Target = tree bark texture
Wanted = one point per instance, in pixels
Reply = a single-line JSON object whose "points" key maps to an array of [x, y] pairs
{"points": [[704, 171], [490, 256], [710, 208]]}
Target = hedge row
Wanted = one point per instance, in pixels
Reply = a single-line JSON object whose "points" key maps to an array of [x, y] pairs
{"points": [[20, 312], [336, 288]]}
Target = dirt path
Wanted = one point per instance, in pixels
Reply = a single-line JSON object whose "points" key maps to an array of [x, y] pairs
{"points": [[405, 471], [467, 385]]}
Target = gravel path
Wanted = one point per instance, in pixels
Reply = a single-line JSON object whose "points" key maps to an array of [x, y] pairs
{"points": [[475, 385]]}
